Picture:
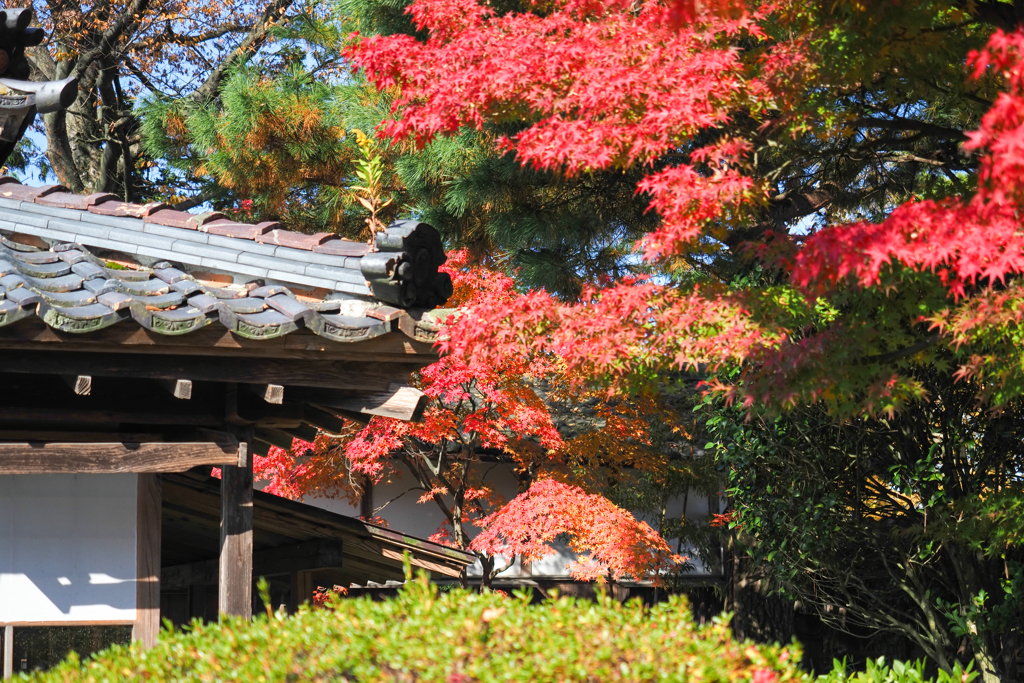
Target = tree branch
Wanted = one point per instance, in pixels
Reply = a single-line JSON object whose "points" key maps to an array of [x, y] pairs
{"points": [[249, 45], [900, 123], [110, 36], [204, 196]]}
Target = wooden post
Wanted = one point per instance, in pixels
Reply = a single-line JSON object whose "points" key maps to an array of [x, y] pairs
{"points": [[147, 558], [302, 589], [8, 652], [234, 575]]}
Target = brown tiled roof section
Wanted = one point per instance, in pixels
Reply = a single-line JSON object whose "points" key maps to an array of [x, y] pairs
{"points": [[105, 204], [402, 268]]}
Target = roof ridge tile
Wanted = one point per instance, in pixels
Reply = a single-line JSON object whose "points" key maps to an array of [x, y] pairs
{"points": [[28, 193], [295, 240], [171, 218], [399, 266]]}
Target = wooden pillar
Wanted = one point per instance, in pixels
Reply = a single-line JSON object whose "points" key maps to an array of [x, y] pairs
{"points": [[302, 589], [8, 652], [147, 561], [234, 575]]}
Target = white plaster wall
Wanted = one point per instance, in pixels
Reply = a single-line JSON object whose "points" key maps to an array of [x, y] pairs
{"points": [[67, 547], [697, 509]]}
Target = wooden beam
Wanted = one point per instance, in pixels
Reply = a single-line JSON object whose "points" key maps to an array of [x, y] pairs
{"points": [[77, 437], [249, 408], [215, 340], [321, 553], [59, 415], [234, 585], [422, 562], [322, 419], [147, 553], [354, 377], [80, 384], [275, 437], [271, 393], [397, 401], [302, 432], [351, 415], [111, 458], [179, 388], [259, 447]]}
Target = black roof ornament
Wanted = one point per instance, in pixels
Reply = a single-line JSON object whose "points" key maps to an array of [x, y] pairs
{"points": [[20, 98]]}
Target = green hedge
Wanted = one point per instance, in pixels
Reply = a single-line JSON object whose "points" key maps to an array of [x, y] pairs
{"points": [[448, 637], [897, 672], [463, 637]]}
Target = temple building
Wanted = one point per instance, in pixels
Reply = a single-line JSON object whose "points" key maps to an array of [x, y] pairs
{"points": [[149, 353]]}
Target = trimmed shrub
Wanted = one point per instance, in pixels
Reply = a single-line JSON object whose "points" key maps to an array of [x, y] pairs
{"points": [[898, 672], [450, 637]]}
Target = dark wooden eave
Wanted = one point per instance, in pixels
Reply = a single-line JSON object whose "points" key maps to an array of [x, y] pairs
{"points": [[191, 518]]}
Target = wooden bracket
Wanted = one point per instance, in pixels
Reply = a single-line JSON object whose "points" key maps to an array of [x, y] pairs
{"points": [[244, 456]]}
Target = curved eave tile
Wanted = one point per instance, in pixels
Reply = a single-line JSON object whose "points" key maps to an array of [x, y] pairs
{"points": [[75, 292]]}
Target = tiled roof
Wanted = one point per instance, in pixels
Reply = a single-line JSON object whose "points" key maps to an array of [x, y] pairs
{"points": [[211, 242], [73, 287]]}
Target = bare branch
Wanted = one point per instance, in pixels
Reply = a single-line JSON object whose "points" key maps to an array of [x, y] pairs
{"points": [[249, 45]]}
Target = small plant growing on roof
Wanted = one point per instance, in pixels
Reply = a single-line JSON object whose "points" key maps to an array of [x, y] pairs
{"points": [[370, 172]]}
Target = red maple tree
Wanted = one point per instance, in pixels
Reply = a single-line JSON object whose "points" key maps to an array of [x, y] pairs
{"points": [[608, 83], [499, 411]]}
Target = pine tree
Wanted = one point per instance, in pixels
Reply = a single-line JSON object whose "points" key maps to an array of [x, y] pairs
{"points": [[280, 139]]}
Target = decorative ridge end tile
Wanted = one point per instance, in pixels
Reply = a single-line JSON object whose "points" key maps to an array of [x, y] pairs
{"points": [[4, 180]]}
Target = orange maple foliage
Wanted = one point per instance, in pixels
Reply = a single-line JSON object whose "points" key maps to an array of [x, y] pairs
{"points": [[613, 541]]}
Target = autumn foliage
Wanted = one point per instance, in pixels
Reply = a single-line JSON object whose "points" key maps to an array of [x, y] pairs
{"points": [[607, 85], [501, 412], [615, 542]]}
